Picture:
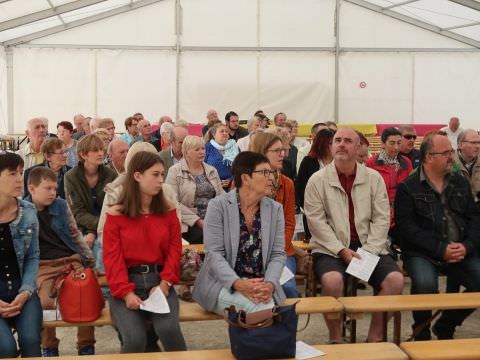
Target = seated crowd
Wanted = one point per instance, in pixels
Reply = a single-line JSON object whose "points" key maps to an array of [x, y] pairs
{"points": [[122, 204]]}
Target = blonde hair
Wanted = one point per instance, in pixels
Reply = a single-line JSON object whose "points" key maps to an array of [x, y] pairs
{"points": [[137, 147], [281, 132], [190, 142], [262, 141]]}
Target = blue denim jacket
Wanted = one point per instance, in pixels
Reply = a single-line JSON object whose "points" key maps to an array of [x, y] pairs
{"points": [[65, 227], [24, 230]]}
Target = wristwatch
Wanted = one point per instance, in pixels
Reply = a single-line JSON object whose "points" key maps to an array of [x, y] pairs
{"points": [[28, 292]]}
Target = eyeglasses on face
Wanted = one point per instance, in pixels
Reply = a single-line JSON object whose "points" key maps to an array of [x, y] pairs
{"points": [[265, 172], [279, 150], [410, 137], [472, 142], [61, 152], [446, 153]]}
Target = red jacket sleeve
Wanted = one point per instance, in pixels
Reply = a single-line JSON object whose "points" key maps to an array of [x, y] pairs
{"points": [[115, 267], [289, 214], [171, 266]]}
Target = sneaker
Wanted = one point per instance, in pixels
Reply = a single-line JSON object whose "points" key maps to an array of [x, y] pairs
{"points": [[87, 350], [49, 352]]}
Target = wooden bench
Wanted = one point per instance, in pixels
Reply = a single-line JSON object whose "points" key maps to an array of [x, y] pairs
{"points": [[374, 351], [443, 349], [355, 307], [193, 312]]}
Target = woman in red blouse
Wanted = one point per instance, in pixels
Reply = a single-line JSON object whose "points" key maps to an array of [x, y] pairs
{"points": [[141, 250]]}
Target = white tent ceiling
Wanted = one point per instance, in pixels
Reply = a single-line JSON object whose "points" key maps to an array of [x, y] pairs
{"points": [[419, 58], [24, 20]]}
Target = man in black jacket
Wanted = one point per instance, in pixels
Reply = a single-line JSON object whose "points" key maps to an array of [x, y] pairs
{"points": [[439, 226]]}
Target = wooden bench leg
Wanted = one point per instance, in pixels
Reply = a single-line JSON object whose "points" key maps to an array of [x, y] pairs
{"points": [[397, 326]]}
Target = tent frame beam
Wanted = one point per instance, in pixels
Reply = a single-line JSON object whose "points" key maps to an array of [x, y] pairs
{"points": [[418, 23], [399, 4], [258, 49], [468, 3], [44, 14], [84, 21]]}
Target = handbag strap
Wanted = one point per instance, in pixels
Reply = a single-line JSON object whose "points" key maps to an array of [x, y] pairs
{"points": [[59, 279]]}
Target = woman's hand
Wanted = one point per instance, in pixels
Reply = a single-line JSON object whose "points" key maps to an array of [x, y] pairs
{"points": [[15, 307], [132, 301], [89, 239], [225, 183], [250, 288], [165, 287], [264, 292], [6, 309]]}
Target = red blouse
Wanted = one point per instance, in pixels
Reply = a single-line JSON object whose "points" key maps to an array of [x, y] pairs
{"points": [[148, 239]]}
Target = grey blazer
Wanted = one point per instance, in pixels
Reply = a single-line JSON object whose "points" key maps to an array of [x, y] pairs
{"points": [[221, 235]]}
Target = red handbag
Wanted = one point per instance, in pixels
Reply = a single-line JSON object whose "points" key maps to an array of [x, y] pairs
{"points": [[80, 298]]}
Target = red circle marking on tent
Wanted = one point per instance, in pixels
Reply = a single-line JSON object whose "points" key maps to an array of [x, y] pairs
{"points": [[363, 85]]}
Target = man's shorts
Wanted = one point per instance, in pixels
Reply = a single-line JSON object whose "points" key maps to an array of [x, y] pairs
{"points": [[325, 263]]}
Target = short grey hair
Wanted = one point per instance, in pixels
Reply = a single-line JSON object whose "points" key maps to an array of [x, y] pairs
{"points": [[461, 137], [252, 120], [31, 121]]}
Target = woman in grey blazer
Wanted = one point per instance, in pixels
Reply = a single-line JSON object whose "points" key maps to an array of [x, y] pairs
{"points": [[244, 242]]}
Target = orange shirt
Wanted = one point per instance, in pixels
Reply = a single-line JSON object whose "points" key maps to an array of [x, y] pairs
{"points": [[286, 196]]}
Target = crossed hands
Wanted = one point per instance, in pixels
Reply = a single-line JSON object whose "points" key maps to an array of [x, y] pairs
{"points": [[455, 252], [256, 290], [8, 310]]}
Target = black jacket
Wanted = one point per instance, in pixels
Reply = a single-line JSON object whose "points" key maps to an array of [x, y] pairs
{"points": [[421, 226]]}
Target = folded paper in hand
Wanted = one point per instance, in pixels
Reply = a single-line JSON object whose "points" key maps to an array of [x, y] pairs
{"points": [[363, 268], [156, 303]]}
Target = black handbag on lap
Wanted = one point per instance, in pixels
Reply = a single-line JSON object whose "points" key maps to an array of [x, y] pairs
{"points": [[266, 334]]}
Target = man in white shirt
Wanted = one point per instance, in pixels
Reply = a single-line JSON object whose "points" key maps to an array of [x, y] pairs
{"points": [[453, 130]]}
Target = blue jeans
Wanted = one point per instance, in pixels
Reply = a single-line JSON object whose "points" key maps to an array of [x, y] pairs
{"points": [[290, 287], [424, 275], [28, 325]]}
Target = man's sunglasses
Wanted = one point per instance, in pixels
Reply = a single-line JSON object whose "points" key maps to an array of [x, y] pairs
{"points": [[410, 137]]}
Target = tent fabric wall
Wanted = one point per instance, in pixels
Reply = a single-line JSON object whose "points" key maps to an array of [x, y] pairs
{"points": [[76, 71], [387, 95], [3, 92]]}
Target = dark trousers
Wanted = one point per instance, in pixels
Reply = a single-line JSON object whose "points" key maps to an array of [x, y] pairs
{"points": [[194, 235], [424, 275], [131, 323]]}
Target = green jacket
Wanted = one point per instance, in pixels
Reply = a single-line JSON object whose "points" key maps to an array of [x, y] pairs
{"points": [[79, 197]]}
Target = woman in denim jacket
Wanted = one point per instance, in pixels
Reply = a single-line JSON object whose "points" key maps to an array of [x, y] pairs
{"points": [[19, 257]]}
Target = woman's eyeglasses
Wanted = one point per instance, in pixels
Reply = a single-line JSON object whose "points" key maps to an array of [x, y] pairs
{"points": [[279, 150], [265, 172]]}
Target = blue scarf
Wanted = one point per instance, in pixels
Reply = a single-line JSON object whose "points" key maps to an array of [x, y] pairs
{"points": [[230, 149]]}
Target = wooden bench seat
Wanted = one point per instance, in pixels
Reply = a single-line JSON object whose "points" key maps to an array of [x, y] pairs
{"points": [[442, 349], [193, 312], [374, 351], [357, 306]]}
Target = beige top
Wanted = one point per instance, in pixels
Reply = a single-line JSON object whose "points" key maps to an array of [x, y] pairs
{"points": [[30, 157], [326, 209]]}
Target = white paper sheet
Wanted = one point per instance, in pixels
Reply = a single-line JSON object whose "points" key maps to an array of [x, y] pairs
{"points": [[363, 268], [185, 242], [304, 351], [156, 303], [286, 275], [51, 315]]}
